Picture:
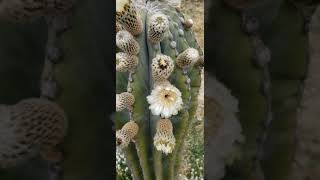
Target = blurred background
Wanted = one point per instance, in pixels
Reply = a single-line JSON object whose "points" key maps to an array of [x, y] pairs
{"points": [[288, 147]]}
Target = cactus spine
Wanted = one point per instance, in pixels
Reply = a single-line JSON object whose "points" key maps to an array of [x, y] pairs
{"points": [[165, 91]]}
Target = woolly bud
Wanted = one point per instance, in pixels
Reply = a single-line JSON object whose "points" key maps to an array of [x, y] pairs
{"points": [[126, 134], [126, 62], [162, 67], [164, 139], [124, 100], [188, 23], [126, 42], [128, 16], [187, 58], [158, 26]]}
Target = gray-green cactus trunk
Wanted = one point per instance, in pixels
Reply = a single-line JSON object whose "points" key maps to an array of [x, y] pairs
{"points": [[145, 162]]}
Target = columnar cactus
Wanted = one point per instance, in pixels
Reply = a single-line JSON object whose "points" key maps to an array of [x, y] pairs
{"points": [[260, 52], [74, 86], [158, 64], [37, 111]]}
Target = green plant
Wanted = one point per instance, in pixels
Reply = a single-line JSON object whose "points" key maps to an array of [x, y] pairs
{"points": [[76, 80], [123, 171], [193, 165], [260, 52], [159, 74]]}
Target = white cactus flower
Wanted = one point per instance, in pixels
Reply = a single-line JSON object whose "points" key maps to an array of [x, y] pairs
{"points": [[165, 100]]}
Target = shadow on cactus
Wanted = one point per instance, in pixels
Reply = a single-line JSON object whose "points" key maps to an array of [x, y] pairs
{"points": [[158, 66], [35, 45], [269, 42], [35, 126]]}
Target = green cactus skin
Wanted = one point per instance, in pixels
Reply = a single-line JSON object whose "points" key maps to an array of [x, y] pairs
{"points": [[151, 163], [288, 70], [14, 77], [233, 54], [195, 84], [84, 78], [282, 31]]}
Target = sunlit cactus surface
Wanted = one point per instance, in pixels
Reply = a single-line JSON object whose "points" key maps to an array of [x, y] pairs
{"points": [[158, 64]]}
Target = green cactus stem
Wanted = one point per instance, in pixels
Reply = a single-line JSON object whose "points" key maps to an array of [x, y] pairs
{"points": [[84, 80], [168, 39], [269, 90]]}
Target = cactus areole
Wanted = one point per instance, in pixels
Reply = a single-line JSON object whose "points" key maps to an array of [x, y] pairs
{"points": [[158, 80]]}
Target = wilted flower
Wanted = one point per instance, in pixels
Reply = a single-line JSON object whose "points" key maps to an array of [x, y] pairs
{"points": [[162, 67], [124, 100], [164, 139], [158, 26], [127, 15], [126, 42], [126, 134], [188, 58], [126, 62]]}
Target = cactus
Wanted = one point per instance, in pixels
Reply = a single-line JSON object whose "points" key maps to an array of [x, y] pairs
{"points": [[223, 134], [71, 87], [260, 52], [159, 64]]}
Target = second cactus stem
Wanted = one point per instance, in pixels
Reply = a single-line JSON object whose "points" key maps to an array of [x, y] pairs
{"points": [[269, 89]]}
